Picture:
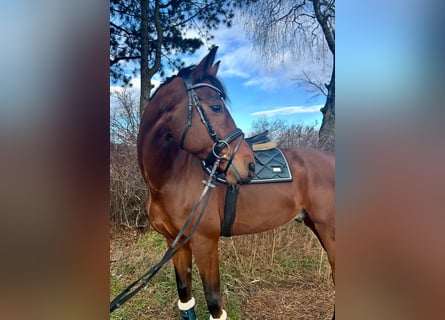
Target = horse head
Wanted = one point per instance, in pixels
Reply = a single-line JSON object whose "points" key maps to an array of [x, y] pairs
{"points": [[202, 125]]}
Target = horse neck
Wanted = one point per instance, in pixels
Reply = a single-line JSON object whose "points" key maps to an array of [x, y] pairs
{"points": [[163, 163], [160, 156]]}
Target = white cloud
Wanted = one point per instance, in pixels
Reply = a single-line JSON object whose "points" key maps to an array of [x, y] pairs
{"points": [[288, 110], [240, 59], [266, 82]]}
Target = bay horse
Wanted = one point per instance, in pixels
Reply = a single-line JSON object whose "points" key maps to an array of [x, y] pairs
{"points": [[186, 122]]}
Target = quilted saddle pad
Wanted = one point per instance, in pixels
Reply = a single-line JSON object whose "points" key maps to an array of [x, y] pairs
{"points": [[271, 166]]}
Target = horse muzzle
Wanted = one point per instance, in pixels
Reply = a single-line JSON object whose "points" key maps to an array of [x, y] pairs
{"points": [[237, 165], [240, 173]]}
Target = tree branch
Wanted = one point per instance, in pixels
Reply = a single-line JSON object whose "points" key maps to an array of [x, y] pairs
{"points": [[117, 59], [322, 20], [199, 10], [126, 31], [315, 85]]}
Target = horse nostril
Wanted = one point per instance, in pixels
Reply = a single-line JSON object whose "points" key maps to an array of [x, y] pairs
{"points": [[251, 167]]}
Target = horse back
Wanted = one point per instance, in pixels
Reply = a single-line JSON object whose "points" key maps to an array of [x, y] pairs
{"points": [[314, 175], [314, 162]]}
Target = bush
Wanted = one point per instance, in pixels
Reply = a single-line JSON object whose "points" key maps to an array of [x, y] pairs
{"points": [[127, 188], [286, 135]]}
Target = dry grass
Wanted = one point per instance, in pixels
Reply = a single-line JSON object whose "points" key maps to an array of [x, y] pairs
{"points": [[280, 274]]}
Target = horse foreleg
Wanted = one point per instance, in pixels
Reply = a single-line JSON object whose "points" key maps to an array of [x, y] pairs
{"points": [[183, 269], [205, 251]]}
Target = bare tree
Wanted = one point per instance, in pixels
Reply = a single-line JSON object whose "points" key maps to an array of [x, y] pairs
{"points": [[286, 135], [124, 117], [274, 127], [304, 28], [127, 189], [312, 83], [299, 135]]}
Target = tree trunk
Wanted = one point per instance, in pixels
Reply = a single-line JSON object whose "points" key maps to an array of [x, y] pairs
{"points": [[145, 80], [326, 137], [148, 71], [329, 34]]}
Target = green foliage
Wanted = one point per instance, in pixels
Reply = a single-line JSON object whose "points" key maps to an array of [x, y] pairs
{"points": [[152, 241]]}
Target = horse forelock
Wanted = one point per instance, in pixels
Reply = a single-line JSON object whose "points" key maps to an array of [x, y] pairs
{"points": [[217, 83], [185, 72]]}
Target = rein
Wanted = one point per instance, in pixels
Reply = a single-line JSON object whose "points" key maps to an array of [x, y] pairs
{"points": [[129, 292]]}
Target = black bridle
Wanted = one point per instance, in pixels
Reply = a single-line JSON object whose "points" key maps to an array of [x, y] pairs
{"points": [[219, 144]]}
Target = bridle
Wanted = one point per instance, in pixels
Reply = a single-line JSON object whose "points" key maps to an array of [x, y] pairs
{"points": [[219, 144]]}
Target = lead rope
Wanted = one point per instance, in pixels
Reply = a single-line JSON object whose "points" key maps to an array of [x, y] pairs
{"points": [[127, 293]]}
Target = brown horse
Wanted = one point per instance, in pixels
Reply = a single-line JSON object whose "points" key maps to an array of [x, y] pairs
{"points": [[186, 122]]}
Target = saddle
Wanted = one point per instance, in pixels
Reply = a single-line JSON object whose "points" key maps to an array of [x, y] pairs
{"points": [[270, 167], [270, 163]]}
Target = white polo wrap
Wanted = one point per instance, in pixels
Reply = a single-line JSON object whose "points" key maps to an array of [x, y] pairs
{"points": [[184, 306], [223, 316]]}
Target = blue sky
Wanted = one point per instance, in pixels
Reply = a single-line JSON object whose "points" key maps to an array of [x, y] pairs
{"points": [[257, 90]]}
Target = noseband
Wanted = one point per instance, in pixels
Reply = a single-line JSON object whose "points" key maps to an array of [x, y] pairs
{"points": [[219, 144]]}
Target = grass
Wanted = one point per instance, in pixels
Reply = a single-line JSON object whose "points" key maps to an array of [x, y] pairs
{"points": [[262, 276]]}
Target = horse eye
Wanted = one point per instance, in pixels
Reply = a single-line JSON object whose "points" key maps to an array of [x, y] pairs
{"points": [[216, 108]]}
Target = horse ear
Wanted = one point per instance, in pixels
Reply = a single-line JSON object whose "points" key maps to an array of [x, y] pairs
{"points": [[214, 69], [206, 66]]}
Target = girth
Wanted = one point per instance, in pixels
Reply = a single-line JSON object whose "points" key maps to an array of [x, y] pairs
{"points": [[270, 167], [229, 210]]}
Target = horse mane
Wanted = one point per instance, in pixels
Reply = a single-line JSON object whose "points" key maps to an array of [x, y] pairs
{"points": [[186, 71]]}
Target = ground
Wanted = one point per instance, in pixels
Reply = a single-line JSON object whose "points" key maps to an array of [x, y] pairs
{"points": [[280, 274]]}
